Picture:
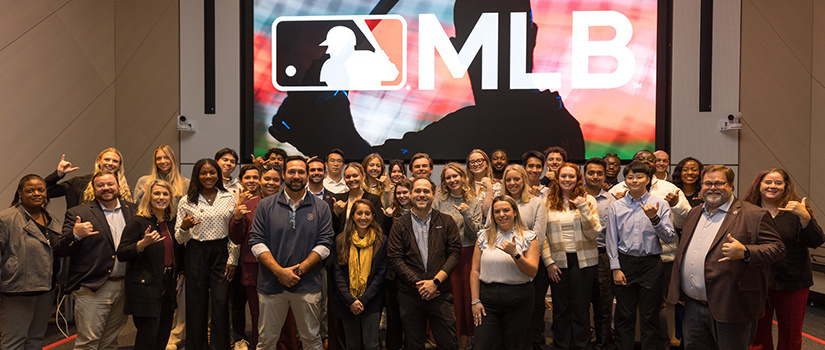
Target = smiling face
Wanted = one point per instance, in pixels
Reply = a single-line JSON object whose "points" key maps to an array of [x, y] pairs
{"points": [[295, 175], [662, 161], [567, 180], [250, 180], [504, 215], [636, 183], [208, 176], [316, 172], [554, 161], [276, 159], [614, 165], [105, 188], [421, 168], [513, 183], [402, 194], [335, 163], [396, 173], [715, 189], [647, 157], [33, 194], [374, 168], [160, 198], [690, 172], [477, 163], [422, 194], [594, 175], [362, 216], [163, 162], [452, 179], [270, 183], [227, 163], [772, 187], [109, 162], [353, 178], [534, 167], [499, 160]]}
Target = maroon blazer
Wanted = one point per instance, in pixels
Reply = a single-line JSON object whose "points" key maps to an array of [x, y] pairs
{"points": [[736, 290]]}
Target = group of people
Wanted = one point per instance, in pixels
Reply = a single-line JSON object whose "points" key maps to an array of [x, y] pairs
{"points": [[319, 248]]}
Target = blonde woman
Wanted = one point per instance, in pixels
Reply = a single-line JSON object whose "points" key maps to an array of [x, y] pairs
{"points": [[456, 200], [481, 176], [505, 260], [165, 168], [376, 180], [78, 190], [342, 203], [571, 255]]}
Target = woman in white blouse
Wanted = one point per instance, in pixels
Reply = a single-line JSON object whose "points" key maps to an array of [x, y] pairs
{"points": [[203, 225], [505, 260], [571, 256]]}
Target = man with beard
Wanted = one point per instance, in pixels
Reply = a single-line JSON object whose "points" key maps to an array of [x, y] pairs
{"points": [[91, 235], [315, 185], [721, 266], [291, 233], [423, 249], [499, 160]]}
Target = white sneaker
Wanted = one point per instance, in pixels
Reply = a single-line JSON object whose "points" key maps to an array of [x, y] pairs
{"points": [[241, 345]]}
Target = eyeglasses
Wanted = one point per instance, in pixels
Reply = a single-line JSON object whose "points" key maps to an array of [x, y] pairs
{"points": [[477, 162], [718, 184]]}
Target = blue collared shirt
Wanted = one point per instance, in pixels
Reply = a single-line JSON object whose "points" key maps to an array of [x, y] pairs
{"points": [[604, 199], [421, 229], [693, 265], [630, 232]]}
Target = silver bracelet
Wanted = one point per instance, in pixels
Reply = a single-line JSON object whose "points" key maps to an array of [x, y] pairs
{"points": [[477, 301]]}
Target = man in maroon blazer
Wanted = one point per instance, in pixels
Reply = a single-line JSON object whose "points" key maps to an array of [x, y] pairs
{"points": [[721, 268]]}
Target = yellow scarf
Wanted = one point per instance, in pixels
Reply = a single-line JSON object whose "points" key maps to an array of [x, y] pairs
{"points": [[359, 265]]}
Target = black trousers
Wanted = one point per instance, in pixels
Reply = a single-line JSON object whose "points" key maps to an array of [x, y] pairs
{"points": [[416, 312], [643, 291], [395, 331], [540, 284], [602, 300], [153, 332], [571, 305], [205, 279], [504, 326], [237, 298]]}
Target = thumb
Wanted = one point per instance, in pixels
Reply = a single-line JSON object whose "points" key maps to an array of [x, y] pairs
{"points": [[78, 220], [514, 239], [677, 192], [657, 206], [148, 229], [804, 201], [731, 239]]}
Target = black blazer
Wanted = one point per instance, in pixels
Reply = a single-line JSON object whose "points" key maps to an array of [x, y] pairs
{"points": [[144, 274], [340, 221], [72, 188], [93, 257], [375, 284], [404, 256]]}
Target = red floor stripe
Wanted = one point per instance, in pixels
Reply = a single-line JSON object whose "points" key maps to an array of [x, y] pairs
{"points": [[66, 340], [806, 335]]}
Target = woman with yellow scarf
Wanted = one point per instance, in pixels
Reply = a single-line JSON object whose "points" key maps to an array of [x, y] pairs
{"points": [[361, 264]]}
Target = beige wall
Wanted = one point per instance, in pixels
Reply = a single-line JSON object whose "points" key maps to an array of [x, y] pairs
{"points": [[77, 76], [782, 93]]}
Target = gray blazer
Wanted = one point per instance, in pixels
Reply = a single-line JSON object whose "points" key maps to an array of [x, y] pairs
{"points": [[25, 253]]}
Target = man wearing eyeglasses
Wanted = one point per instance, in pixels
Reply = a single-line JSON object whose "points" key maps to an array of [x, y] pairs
{"points": [[291, 233], [334, 182], [721, 267]]}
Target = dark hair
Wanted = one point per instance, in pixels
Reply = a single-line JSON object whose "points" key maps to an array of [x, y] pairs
{"points": [[344, 239], [399, 163], [642, 151], [316, 160], [337, 151], [556, 149], [533, 154], [432, 184], [195, 184], [246, 168], [101, 173], [272, 167], [276, 151], [16, 201], [418, 156], [296, 157], [754, 196], [225, 151], [597, 161], [638, 166], [676, 177], [499, 150], [405, 182]]}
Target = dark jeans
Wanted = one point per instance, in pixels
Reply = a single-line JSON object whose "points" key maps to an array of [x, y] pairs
{"points": [[237, 298], [702, 332], [540, 284], [205, 280], [571, 305], [363, 329], [416, 312], [643, 291], [663, 325], [153, 332], [602, 300], [395, 331], [504, 326]]}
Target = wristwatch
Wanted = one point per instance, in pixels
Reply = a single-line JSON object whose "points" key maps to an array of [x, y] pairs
{"points": [[655, 220], [517, 256], [436, 281], [299, 272]]}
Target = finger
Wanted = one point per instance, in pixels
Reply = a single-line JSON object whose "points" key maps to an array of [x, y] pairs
{"points": [[724, 259], [657, 206], [785, 209], [676, 193], [92, 233], [625, 192], [456, 207], [160, 239], [63, 157], [804, 201], [73, 168], [147, 230], [730, 238], [196, 222], [78, 220]]}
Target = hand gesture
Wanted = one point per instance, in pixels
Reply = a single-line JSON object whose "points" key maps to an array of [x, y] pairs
{"points": [[487, 183], [508, 247], [620, 195], [388, 211], [478, 314], [287, 276], [536, 190], [461, 207], [240, 211], [149, 237], [579, 201], [64, 166], [356, 308], [606, 186], [650, 210], [339, 207], [732, 250], [619, 278], [799, 209], [672, 198], [427, 289], [554, 272], [551, 175], [385, 180], [245, 196], [257, 161], [188, 222], [83, 229]]}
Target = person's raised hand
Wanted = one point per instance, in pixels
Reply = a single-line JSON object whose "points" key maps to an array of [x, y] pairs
{"points": [[64, 166], [650, 210], [732, 249], [672, 198], [578, 201], [188, 221], [83, 229]]}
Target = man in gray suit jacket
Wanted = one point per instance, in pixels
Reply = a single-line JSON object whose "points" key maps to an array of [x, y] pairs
{"points": [[91, 235]]}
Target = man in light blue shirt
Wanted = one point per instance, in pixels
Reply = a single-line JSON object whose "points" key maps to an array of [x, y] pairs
{"points": [[635, 226]]}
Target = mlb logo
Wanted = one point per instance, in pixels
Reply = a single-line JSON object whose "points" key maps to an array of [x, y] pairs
{"points": [[330, 53]]}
